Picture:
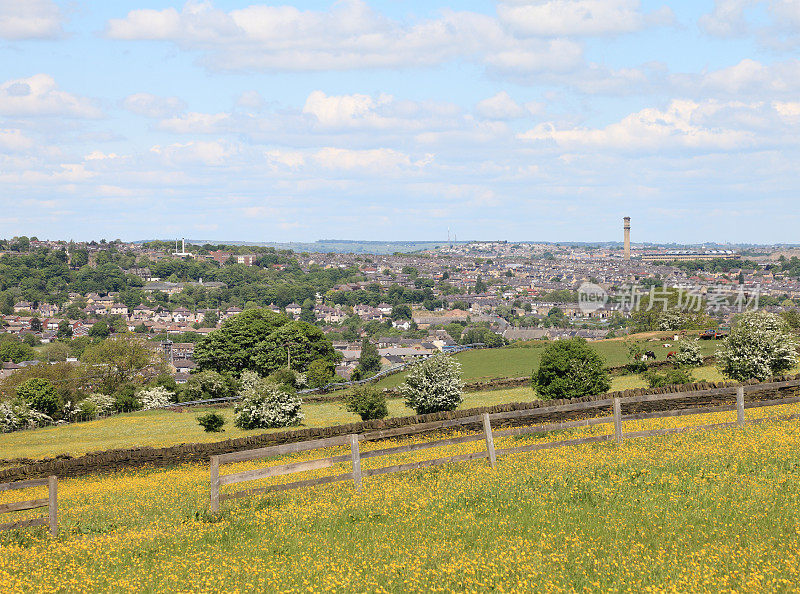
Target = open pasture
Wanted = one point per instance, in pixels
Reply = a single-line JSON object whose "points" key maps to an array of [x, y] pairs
{"points": [[711, 510]]}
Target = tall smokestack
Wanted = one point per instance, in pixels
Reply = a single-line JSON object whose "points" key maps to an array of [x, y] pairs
{"points": [[627, 228]]}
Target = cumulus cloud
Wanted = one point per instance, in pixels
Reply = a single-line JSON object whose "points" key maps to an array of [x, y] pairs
{"points": [[682, 125], [39, 95], [555, 18], [153, 106], [349, 35], [210, 153], [14, 140], [502, 107], [730, 18], [29, 19]]}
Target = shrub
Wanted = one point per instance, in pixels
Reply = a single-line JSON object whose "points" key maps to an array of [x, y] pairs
{"points": [[433, 385], [688, 354], [96, 404], [289, 378], [18, 415], [668, 377], [368, 403], [320, 373], [204, 386], [570, 369], [760, 345], [40, 395], [265, 405], [211, 422], [156, 397], [125, 399]]}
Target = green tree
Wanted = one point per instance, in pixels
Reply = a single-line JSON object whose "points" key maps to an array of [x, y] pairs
{"points": [[100, 329], [64, 329], [369, 362], [40, 395], [570, 369], [232, 347], [12, 350], [295, 344], [760, 345], [122, 360], [320, 373]]}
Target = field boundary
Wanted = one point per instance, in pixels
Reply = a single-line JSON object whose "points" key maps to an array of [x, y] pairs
{"points": [[682, 396], [50, 502], [488, 434]]}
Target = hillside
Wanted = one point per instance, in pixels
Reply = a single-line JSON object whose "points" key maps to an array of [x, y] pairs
{"points": [[716, 509]]}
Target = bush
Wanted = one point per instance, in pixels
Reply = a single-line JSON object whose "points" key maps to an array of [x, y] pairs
{"points": [[205, 386], [570, 369], [18, 415], [688, 354], [156, 397], [433, 385], [668, 377], [289, 378], [266, 405], [760, 346], [96, 404], [211, 422], [320, 373], [368, 403], [125, 399], [40, 395]]}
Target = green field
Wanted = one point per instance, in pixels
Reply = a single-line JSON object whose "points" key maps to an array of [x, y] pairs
{"points": [[522, 361], [158, 428], [696, 512]]}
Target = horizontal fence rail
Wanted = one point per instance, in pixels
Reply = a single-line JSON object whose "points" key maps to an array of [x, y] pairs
{"points": [[50, 502], [614, 416]]}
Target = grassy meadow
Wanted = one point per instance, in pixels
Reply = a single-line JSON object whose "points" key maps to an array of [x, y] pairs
{"points": [[704, 511]]}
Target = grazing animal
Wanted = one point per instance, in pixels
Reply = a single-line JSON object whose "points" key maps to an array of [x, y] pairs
{"points": [[671, 354], [650, 355]]}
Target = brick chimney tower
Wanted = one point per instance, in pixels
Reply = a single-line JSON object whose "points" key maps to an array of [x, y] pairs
{"points": [[627, 228]]}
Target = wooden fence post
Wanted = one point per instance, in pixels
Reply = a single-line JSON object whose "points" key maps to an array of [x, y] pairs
{"points": [[487, 431], [52, 504], [740, 406], [214, 484], [356, 454], [617, 420]]}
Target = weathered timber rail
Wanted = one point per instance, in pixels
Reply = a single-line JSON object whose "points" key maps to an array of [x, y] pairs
{"points": [[484, 421], [644, 401], [50, 502]]}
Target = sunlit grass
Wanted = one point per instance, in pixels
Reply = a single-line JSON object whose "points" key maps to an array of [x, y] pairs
{"points": [[706, 511]]}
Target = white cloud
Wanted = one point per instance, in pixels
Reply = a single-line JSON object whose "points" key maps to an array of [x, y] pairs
{"points": [[197, 123], [39, 95], [682, 125], [29, 19], [251, 99], [375, 160], [349, 35], [211, 153], [14, 140], [153, 106], [556, 18], [502, 107]]}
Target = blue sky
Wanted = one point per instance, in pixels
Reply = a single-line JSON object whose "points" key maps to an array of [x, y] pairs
{"points": [[517, 119]]}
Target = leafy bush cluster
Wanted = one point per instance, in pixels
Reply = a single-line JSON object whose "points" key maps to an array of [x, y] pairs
{"points": [[367, 402], [265, 404], [570, 369], [18, 415], [433, 385], [760, 345], [155, 397], [211, 422]]}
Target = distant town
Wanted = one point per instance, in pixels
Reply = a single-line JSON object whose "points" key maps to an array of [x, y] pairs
{"points": [[411, 305]]}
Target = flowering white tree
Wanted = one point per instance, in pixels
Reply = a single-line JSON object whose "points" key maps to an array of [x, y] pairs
{"points": [[433, 386], [688, 354], [265, 404], [156, 397], [760, 345]]}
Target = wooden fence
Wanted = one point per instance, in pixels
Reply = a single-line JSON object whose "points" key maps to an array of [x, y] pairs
{"points": [[50, 502], [356, 474]]}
